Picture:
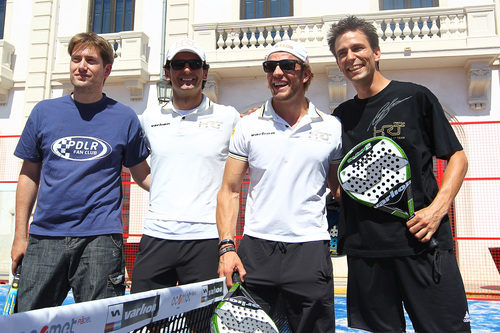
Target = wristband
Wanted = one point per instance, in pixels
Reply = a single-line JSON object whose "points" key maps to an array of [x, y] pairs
{"points": [[226, 241], [227, 249]]}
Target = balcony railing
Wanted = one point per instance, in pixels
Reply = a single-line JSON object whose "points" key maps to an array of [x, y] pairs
{"points": [[130, 66], [426, 38], [256, 34], [447, 32]]}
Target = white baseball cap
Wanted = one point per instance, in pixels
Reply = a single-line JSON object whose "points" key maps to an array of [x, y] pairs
{"points": [[296, 48], [185, 45]]}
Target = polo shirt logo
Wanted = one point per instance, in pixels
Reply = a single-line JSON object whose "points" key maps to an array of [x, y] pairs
{"points": [[210, 124], [320, 136], [160, 124], [263, 133]]}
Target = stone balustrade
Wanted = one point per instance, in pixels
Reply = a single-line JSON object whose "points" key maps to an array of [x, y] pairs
{"points": [[423, 38], [428, 26]]}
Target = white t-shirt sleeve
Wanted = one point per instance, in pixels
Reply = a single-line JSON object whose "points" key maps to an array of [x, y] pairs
{"points": [[336, 154], [238, 145]]}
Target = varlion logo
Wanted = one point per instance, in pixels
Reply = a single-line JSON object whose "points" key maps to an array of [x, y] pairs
{"points": [[125, 314], [212, 291], [393, 194], [81, 148]]}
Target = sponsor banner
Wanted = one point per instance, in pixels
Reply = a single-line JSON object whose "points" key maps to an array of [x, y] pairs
{"points": [[74, 318], [212, 291], [125, 314], [118, 314], [184, 298]]}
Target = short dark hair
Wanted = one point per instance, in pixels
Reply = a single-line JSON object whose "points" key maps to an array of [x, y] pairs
{"points": [[352, 23], [87, 39]]}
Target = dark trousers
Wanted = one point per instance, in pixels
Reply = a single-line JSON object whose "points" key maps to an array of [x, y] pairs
{"points": [[299, 273], [428, 285], [162, 263]]}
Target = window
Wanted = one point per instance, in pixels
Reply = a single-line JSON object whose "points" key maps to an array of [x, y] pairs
{"points": [[112, 16], [404, 4], [2, 16], [251, 9]]}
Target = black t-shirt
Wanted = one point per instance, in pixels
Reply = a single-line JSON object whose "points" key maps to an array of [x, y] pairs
{"points": [[412, 116]]}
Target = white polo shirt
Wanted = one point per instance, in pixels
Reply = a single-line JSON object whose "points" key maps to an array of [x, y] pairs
{"points": [[188, 153], [288, 170]]}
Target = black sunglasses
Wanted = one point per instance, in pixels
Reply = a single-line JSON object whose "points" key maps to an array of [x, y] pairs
{"points": [[181, 63], [285, 65]]}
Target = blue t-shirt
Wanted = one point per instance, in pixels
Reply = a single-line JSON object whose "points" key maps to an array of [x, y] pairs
{"points": [[82, 148]]}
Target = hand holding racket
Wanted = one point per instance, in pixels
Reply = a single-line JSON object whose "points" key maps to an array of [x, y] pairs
{"points": [[238, 312], [10, 301], [376, 173]]}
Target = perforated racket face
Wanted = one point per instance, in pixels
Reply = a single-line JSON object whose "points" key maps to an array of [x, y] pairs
{"points": [[237, 315], [373, 168]]}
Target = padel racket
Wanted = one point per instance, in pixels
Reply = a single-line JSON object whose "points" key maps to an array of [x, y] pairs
{"points": [[332, 216], [376, 173], [238, 312], [10, 301]]}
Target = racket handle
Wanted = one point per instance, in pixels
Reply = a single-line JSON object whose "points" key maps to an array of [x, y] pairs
{"points": [[433, 243], [236, 277]]}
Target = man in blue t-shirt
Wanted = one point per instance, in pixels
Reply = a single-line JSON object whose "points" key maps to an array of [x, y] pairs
{"points": [[73, 149]]}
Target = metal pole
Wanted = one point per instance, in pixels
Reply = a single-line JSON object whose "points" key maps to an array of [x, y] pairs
{"points": [[163, 32]]}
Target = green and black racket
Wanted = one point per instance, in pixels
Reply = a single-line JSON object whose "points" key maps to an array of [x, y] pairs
{"points": [[238, 312], [376, 173]]}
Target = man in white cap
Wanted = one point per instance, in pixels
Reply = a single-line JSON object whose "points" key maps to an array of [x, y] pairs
{"points": [[188, 139], [291, 149]]}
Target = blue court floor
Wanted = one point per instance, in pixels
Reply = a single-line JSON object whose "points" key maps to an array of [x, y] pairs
{"points": [[485, 315]]}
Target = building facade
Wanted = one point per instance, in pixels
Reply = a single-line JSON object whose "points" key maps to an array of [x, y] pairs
{"points": [[450, 46]]}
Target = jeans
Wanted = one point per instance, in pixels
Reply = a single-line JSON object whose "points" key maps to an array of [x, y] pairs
{"points": [[93, 266]]}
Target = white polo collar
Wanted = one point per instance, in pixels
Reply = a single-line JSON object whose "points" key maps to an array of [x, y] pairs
{"points": [[204, 105], [267, 111]]}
